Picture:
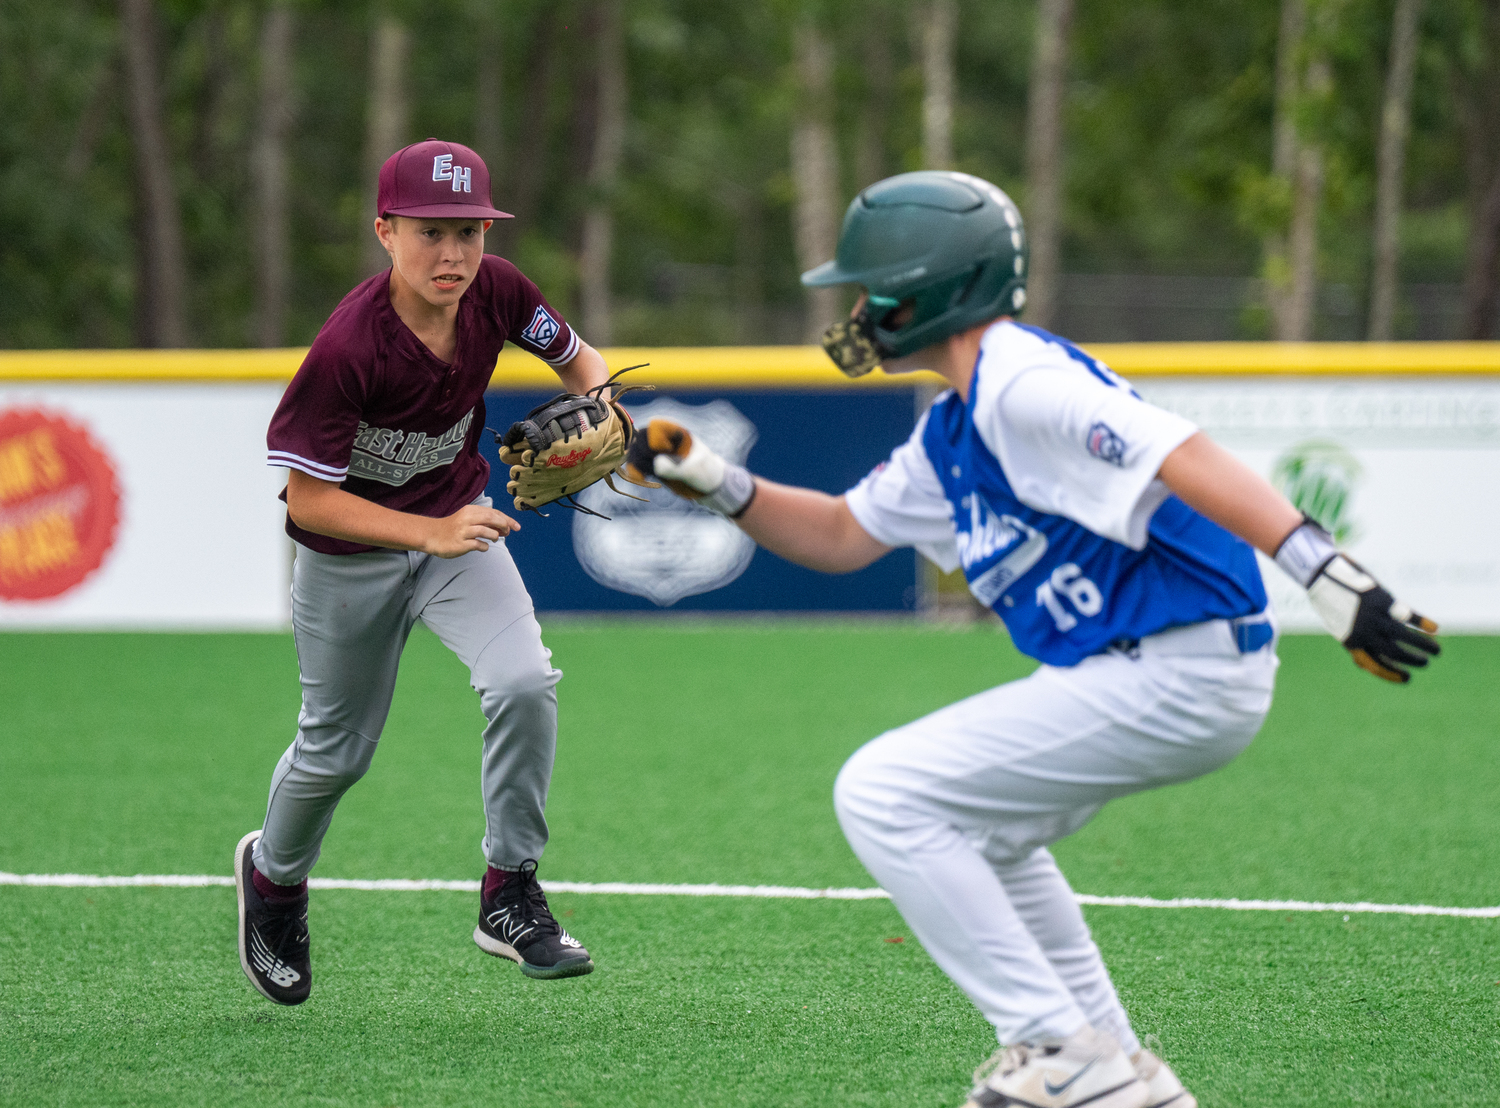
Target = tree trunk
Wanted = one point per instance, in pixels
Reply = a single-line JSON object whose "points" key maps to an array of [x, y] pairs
{"points": [[1296, 322], [269, 172], [1303, 79], [528, 174], [937, 84], [815, 171], [1289, 38], [604, 171], [489, 117], [749, 266], [1481, 115], [878, 72], [1284, 146], [1044, 157], [1395, 126], [386, 121], [161, 313], [214, 94], [1482, 274]]}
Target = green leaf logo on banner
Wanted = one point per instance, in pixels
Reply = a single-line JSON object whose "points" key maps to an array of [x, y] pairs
{"points": [[1319, 477]]}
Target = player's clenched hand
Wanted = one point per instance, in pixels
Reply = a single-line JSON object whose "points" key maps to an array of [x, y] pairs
{"points": [[472, 527], [689, 468], [668, 450], [1384, 635]]}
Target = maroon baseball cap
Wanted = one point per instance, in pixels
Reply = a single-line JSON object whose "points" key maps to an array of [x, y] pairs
{"points": [[438, 180]]}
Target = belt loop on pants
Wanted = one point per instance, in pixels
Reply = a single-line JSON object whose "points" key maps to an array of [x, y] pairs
{"points": [[1253, 632]]}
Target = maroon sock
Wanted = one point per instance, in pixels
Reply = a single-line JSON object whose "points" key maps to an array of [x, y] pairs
{"points": [[494, 880], [277, 894]]}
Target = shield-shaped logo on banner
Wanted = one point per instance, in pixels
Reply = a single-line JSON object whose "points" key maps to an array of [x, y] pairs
{"points": [[665, 548]]}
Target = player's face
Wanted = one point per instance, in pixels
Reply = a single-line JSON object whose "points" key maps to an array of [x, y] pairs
{"points": [[436, 258], [894, 319]]}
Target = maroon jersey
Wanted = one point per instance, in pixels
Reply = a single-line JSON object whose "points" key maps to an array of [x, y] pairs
{"points": [[373, 408]]}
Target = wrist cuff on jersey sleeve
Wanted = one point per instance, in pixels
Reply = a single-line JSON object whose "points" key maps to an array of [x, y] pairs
{"points": [[1305, 551], [733, 496]]}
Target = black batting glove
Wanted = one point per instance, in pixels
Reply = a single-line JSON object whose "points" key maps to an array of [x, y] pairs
{"points": [[1383, 635]]}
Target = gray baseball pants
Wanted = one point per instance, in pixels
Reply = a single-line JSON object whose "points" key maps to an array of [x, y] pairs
{"points": [[351, 615]]}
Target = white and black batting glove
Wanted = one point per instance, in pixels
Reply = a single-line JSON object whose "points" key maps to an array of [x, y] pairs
{"points": [[689, 468], [1382, 634]]}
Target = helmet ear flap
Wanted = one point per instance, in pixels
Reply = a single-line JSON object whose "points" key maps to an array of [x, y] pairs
{"points": [[962, 292]]}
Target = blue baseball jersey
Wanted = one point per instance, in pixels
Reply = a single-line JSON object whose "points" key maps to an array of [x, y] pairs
{"points": [[1042, 487]]}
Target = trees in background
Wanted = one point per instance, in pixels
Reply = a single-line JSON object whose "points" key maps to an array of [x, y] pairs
{"points": [[1044, 155], [204, 171], [939, 24], [815, 166], [1390, 166], [595, 259], [268, 168], [387, 119], [1479, 81], [161, 264]]}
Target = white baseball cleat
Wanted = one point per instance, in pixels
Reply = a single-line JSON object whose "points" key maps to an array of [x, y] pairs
{"points": [[1162, 1086], [1087, 1068]]}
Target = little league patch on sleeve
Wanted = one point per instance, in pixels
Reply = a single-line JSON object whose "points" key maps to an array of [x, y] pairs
{"points": [[1105, 445], [542, 329]]}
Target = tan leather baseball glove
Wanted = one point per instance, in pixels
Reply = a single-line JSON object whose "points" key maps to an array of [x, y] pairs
{"points": [[565, 445]]}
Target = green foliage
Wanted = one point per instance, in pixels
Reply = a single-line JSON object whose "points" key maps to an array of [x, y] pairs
{"points": [[1168, 136]]}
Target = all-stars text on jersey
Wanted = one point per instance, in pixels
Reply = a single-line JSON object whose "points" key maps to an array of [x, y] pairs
{"points": [[393, 457]]}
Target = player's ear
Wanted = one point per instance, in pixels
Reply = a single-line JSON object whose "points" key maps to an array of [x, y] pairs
{"points": [[385, 231], [488, 223]]}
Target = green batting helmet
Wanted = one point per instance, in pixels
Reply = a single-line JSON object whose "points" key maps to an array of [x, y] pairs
{"points": [[950, 244]]}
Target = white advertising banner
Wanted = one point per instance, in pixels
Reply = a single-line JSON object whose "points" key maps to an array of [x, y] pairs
{"points": [[1405, 472], [150, 505], [137, 505]]}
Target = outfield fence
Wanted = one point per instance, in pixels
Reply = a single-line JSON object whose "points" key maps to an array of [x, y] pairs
{"points": [[134, 491]]}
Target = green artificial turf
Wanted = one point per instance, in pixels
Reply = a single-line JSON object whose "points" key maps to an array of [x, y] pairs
{"points": [[706, 751]]}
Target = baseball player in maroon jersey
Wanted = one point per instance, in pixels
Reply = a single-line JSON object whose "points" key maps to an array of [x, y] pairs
{"points": [[379, 431]]}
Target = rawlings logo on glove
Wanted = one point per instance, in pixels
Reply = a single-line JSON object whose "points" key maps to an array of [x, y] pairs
{"points": [[571, 460], [565, 445]]}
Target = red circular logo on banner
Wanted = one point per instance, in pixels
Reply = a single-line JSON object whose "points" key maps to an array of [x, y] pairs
{"points": [[59, 504]]}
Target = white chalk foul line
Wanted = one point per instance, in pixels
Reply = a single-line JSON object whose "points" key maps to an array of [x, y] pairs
{"points": [[771, 892]]}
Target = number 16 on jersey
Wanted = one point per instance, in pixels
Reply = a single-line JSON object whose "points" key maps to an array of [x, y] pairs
{"points": [[1068, 581]]}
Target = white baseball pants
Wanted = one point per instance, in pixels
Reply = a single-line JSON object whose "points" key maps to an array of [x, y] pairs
{"points": [[952, 813]]}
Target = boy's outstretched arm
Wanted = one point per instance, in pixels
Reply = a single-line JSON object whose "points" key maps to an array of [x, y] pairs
{"points": [[1213, 482], [1384, 636], [810, 528], [804, 526]]}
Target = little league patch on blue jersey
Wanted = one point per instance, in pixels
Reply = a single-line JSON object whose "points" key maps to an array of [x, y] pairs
{"points": [[542, 329], [1064, 592]]}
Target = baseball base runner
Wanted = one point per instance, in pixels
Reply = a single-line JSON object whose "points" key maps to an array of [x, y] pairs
{"points": [[1115, 541]]}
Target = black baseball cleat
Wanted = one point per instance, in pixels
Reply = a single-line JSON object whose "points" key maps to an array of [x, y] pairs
{"points": [[275, 952], [516, 923]]}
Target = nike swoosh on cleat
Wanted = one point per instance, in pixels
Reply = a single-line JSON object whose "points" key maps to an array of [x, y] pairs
{"points": [[1055, 1090]]}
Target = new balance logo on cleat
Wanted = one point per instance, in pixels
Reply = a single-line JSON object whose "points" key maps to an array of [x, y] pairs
{"points": [[267, 963], [275, 951], [516, 923], [508, 924]]}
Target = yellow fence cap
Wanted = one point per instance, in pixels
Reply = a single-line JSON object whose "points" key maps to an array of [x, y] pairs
{"points": [[784, 367]]}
